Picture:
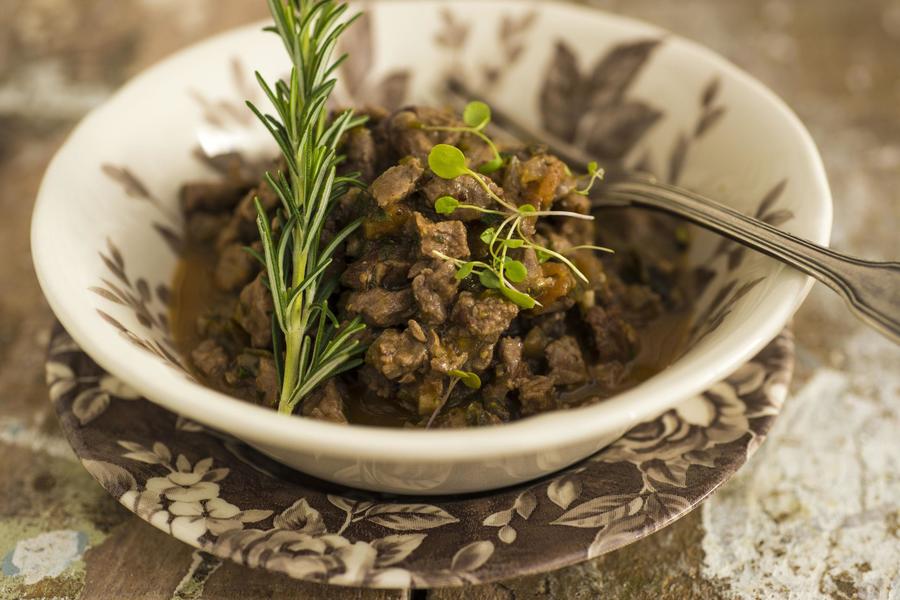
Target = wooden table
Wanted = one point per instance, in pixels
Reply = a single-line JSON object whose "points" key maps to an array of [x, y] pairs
{"points": [[816, 513]]}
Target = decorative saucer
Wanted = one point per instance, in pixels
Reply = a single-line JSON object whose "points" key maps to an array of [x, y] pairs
{"points": [[215, 493]]}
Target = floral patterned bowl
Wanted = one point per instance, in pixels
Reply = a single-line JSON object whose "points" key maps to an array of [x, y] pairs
{"points": [[106, 230]]}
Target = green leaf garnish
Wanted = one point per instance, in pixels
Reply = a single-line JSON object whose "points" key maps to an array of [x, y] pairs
{"points": [[465, 270], [447, 162], [446, 205], [515, 270], [468, 379], [521, 300], [492, 166], [487, 235], [527, 209], [477, 115], [514, 243], [489, 280]]}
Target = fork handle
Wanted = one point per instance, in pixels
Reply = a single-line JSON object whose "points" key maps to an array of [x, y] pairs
{"points": [[871, 289]]}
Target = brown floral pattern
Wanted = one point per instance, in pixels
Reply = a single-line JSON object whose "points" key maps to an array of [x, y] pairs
{"points": [[216, 493]]}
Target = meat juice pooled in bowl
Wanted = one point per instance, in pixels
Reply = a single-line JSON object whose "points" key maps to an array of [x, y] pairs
{"points": [[445, 348]]}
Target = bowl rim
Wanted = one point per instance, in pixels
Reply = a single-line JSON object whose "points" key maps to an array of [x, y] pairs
{"points": [[544, 432]]}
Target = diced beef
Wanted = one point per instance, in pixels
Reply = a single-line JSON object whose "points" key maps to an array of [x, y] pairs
{"points": [[429, 393], [510, 366], [408, 137], [211, 197], [397, 183], [235, 268], [210, 358], [434, 290], [396, 355], [267, 382], [537, 181], [537, 395], [385, 267], [572, 202], [204, 227], [446, 237], [326, 403], [382, 308], [566, 362], [254, 313], [360, 150], [376, 383], [614, 339], [464, 189], [484, 317]]}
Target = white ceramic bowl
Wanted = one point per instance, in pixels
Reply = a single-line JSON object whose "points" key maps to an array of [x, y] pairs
{"points": [[107, 211]]}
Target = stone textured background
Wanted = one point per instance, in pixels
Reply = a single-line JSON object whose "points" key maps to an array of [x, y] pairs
{"points": [[815, 514]]}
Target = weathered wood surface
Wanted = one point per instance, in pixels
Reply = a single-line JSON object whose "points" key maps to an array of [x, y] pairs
{"points": [[816, 513]]}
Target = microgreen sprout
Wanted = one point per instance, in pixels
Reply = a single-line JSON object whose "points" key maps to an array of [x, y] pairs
{"points": [[596, 174], [476, 116], [503, 271]]}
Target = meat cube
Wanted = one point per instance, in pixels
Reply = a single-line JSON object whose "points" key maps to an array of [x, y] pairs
{"points": [[397, 183], [396, 355], [254, 313], [434, 290], [464, 189], [211, 197], [360, 150], [235, 268], [382, 308], [537, 395], [566, 362], [209, 358], [326, 403], [446, 237], [408, 138], [614, 339], [267, 382], [486, 317]]}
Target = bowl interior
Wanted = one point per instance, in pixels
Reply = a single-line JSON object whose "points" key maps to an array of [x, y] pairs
{"points": [[107, 227]]}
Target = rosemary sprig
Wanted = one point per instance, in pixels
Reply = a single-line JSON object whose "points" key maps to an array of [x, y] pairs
{"points": [[313, 343]]}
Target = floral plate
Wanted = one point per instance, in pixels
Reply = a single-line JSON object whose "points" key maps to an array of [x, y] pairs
{"points": [[216, 493]]}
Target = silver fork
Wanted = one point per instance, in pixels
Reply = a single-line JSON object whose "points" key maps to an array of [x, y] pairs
{"points": [[871, 289]]}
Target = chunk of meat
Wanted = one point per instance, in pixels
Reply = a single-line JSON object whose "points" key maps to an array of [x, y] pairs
{"points": [[396, 355], [445, 237], [408, 137], [267, 382], [386, 266], [434, 290], [510, 366], [376, 383], [360, 150], [464, 189], [614, 339], [211, 197], [254, 313], [538, 181], [326, 403], [484, 317], [397, 183], [566, 362], [537, 395], [235, 268], [204, 227], [210, 358], [382, 308]]}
